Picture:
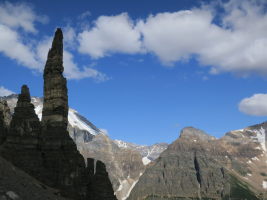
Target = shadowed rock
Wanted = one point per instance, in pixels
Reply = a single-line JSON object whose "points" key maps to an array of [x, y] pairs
{"points": [[99, 185], [5, 118], [22, 143]]}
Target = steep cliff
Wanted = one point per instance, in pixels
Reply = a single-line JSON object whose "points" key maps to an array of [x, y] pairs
{"points": [[5, 118]]}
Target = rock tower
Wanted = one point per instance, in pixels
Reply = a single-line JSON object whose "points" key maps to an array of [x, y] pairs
{"points": [[22, 142]]}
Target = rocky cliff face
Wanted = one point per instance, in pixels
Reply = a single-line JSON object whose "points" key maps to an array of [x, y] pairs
{"points": [[5, 118], [124, 165], [195, 166]]}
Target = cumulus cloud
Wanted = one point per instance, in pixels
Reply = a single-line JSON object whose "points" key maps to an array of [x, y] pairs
{"points": [[255, 105], [20, 52], [111, 34], [236, 43], [20, 15], [73, 72], [17, 21], [5, 92]]}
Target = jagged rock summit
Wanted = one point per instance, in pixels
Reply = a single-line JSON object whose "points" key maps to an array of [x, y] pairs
{"points": [[45, 149], [195, 134]]}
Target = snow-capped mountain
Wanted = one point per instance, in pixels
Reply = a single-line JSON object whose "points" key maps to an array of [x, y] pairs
{"points": [[149, 153]]}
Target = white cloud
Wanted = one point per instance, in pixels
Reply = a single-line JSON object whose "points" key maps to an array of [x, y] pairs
{"points": [[5, 92], [176, 36], [70, 37], [19, 15], [238, 44], [84, 15], [73, 72], [255, 105], [12, 46], [111, 34]]}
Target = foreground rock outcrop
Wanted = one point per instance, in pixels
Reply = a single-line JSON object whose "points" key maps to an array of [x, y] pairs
{"points": [[15, 184]]}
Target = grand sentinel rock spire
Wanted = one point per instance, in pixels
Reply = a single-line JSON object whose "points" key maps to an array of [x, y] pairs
{"points": [[55, 109]]}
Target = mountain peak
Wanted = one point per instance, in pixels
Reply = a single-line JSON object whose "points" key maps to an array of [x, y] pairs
{"points": [[194, 133]]}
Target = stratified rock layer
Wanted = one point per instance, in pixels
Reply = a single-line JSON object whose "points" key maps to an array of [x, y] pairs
{"points": [[193, 167], [55, 108], [64, 167], [22, 143]]}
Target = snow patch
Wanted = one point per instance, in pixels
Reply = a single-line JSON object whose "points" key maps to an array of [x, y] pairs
{"points": [[121, 144], [255, 158], [76, 122], [73, 118], [146, 161], [134, 183], [38, 110], [264, 184], [260, 137]]}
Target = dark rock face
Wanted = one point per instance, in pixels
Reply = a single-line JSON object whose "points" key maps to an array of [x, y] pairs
{"points": [[5, 118], [22, 141], [99, 185], [15, 184]]}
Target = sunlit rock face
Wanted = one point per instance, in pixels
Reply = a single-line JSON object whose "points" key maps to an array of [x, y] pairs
{"points": [[199, 166]]}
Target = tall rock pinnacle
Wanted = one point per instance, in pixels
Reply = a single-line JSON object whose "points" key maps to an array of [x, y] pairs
{"points": [[55, 109]]}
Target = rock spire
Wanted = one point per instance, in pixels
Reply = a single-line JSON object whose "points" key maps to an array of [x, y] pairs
{"points": [[55, 108]]}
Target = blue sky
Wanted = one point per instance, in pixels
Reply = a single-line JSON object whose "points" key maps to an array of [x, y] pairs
{"points": [[144, 70]]}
